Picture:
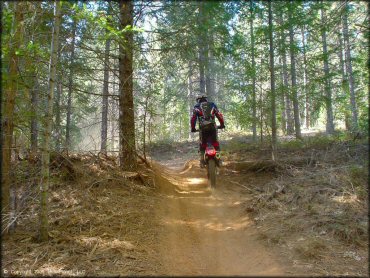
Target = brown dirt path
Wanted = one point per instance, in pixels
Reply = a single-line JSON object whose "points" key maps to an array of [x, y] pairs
{"points": [[204, 232]]}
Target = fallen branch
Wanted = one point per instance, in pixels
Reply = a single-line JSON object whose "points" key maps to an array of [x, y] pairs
{"points": [[143, 160], [234, 182]]}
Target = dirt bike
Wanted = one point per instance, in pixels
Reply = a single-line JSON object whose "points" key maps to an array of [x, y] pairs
{"points": [[211, 157], [212, 161]]}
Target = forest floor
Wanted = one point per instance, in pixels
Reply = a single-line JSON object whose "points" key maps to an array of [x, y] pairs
{"points": [[304, 214]]}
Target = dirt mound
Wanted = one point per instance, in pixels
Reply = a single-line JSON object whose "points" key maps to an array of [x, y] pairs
{"points": [[182, 182]]}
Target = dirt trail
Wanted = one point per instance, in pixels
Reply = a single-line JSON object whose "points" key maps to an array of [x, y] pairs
{"points": [[206, 233]]}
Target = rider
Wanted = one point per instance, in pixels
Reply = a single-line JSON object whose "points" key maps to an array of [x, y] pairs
{"points": [[206, 112]]}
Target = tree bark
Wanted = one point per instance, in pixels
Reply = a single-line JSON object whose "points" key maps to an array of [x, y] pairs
{"points": [[113, 113], [261, 110], [328, 94], [297, 124], [288, 104], [210, 69], [202, 51], [305, 80], [59, 93], [286, 94], [104, 124], [9, 102], [272, 88], [57, 108], [344, 85], [48, 119], [190, 94], [70, 86], [254, 101], [34, 118], [126, 102], [354, 124], [282, 100], [113, 120]]}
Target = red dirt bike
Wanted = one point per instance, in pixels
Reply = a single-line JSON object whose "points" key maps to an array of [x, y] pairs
{"points": [[212, 160]]}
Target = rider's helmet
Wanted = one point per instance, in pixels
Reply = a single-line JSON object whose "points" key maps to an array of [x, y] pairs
{"points": [[201, 98]]}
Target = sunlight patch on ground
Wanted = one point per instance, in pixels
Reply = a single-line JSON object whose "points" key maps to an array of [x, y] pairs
{"points": [[236, 224], [196, 180], [105, 243], [346, 199], [232, 226], [204, 192]]}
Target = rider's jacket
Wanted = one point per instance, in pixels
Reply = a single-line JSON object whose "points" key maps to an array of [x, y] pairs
{"points": [[198, 113]]}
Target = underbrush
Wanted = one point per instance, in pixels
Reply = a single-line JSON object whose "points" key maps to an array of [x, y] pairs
{"points": [[318, 208], [95, 212]]}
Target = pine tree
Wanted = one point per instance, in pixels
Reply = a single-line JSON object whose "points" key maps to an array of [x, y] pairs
{"points": [[272, 86], [8, 114], [126, 102], [48, 126]]}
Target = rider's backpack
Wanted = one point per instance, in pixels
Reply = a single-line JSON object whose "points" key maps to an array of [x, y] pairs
{"points": [[206, 121]]}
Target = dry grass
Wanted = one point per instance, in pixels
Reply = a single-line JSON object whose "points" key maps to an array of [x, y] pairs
{"points": [[313, 202], [95, 228]]}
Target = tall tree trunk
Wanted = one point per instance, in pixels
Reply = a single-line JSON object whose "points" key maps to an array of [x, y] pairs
{"points": [[104, 113], [328, 97], [59, 93], [9, 102], [126, 101], [210, 69], [144, 123], [202, 51], [114, 120], [201, 72], [285, 80], [34, 118], [305, 81], [340, 55], [354, 124], [272, 88], [344, 85], [297, 124], [48, 119], [254, 100], [261, 100], [288, 104], [282, 99], [70, 86], [150, 131], [190, 93], [57, 110]]}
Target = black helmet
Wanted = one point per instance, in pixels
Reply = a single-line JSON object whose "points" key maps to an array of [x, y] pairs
{"points": [[200, 99]]}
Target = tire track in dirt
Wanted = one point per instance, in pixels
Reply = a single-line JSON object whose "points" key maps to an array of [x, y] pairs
{"points": [[204, 232]]}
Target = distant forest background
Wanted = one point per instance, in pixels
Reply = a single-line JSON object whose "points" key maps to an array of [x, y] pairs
{"points": [[272, 68]]}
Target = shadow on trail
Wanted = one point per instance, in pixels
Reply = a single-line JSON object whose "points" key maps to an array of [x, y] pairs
{"points": [[204, 231]]}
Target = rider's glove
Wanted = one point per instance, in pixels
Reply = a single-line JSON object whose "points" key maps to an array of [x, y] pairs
{"points": [[193, 129]]}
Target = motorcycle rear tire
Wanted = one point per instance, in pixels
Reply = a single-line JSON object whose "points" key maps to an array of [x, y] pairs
{"points": [[212, 173]]}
